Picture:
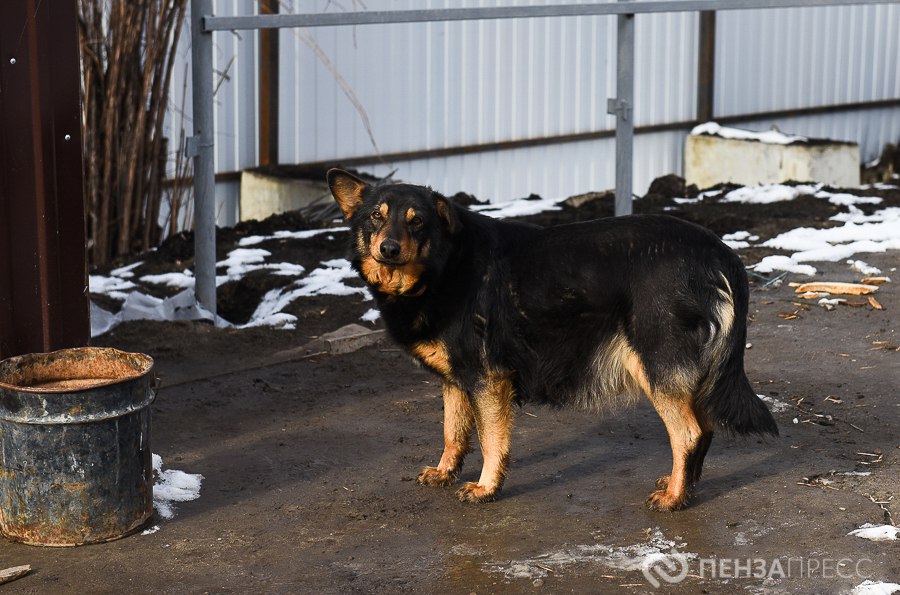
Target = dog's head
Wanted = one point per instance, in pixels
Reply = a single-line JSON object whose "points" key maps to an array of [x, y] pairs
{"points": [[401, 231]]}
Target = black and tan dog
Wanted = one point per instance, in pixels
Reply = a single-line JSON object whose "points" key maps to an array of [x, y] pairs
{"points": [[585, 314]]}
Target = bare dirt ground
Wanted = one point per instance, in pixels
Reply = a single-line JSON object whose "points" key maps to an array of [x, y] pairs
{"points": [[309, 461]]}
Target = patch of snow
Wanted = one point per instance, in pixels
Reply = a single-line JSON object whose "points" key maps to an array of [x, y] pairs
{"points": [[770, 137], [829, 303], [290, 235], [321, 281], [775, 406], [371, 315], [876, 532], [769, 193], [855, 473], [281, 320], [879, 233], [173, 486], [740, 235], [809, 238], [739, 239], [150, 530], [125, 272], [779, 262], [863, 267], [868, 587], [112, 286], [518, 208], [627, 558], [843, 200], [854, 215], [698, 199], [185, 279], [241, 261]]}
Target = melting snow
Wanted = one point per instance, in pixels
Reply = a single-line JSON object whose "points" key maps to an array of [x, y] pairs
{"points": [[627, 558], [328, 280], [771, 137], [739, 239], [173, 486], [775, 405], [290, 235], [864, 268], [371, 315], [868, 587], [241, 261], [769, 193], [518, 208], [125, 272], [878, 232], [112, 286], [876, 532], [184, 279]]}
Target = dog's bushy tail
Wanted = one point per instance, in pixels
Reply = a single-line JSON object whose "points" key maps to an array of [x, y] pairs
{"points": [[731, 403]]}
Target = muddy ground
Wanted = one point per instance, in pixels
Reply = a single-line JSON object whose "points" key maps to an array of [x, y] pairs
{"points": [[309, 460]]}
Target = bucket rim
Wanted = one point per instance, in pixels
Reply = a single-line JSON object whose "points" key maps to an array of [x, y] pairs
{"points": [[146, 365]]}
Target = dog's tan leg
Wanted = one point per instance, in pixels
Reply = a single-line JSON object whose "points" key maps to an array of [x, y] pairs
{"points": [[459, 420], [686, 436], [493, 414], [689, 437]]}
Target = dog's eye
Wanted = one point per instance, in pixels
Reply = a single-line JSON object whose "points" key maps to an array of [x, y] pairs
{"points": [[415, 221], [376, 214]]}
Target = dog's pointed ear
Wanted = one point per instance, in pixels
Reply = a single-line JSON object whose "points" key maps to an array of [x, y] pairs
{"points": [[447, 213], [347, 190]]}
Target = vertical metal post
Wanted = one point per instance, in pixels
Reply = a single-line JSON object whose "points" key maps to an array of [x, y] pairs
{"points": [[43, 260], [200, 148], [706, 66], [268, 88], [623, 108]]}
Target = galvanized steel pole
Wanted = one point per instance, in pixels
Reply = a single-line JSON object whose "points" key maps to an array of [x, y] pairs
{"points": [[623, 108], [200, 147]]}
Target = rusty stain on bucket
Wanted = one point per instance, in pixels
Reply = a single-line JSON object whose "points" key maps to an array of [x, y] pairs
{"points": [[75, 462]]}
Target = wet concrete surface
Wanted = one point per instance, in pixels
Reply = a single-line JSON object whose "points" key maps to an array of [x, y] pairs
{"points": [[309, 470]]}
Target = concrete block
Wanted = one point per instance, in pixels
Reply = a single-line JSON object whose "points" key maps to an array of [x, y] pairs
{"points": [[351, 337], [263, 194], [710, 160]]}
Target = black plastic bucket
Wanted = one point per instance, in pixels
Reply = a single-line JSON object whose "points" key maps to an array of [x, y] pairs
{"points": [[75, 462]]}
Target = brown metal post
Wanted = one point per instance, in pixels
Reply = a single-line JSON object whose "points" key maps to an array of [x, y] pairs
{"points": [[268, 88], [706, 70], [43, 261]]}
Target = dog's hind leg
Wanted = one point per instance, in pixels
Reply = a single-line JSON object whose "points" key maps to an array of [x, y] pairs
{"points": [[689, 436], [493, 414], [459, 420]]}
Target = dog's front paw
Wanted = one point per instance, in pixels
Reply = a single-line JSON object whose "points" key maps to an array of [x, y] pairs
{"points": [[662, 483], [475, 492], [665, 501], [432, 476]]}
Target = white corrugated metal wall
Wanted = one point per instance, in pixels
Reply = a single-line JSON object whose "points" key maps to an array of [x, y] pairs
{"points": [[444, 85]]}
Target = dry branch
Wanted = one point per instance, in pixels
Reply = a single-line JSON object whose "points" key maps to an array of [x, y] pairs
{"points": [[128, 51]]}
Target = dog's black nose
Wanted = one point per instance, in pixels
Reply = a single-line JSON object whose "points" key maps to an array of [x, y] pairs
{"points": [[390, 249]]}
